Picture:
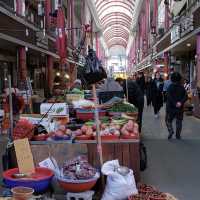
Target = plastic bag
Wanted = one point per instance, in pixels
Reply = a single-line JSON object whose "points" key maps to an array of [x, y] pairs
{"points": [[94, 71], [118, 187]]}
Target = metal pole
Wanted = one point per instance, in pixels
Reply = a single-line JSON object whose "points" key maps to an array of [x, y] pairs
{"points": [[99, 144], [11, 108], [126, 79]]}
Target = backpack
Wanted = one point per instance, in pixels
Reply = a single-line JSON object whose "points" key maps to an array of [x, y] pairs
{"points": [[143, 157]]}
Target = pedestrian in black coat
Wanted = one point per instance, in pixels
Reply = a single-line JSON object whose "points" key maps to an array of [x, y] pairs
{"points": [[157, 93], [148, 91], [141, 81], [176, 97], [135, 97]]}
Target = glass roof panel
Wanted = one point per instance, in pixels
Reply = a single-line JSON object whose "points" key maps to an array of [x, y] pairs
{"points": [[114, 9], [115, 17]]}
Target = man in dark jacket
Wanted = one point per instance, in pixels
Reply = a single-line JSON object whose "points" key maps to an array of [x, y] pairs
{"points": [[141, 81], [135, 97], [176, 97]]}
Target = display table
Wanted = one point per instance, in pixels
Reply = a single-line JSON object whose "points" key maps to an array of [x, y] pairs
{"points": [[126, 151]]}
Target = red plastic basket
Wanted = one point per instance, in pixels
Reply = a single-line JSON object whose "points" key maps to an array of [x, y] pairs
{"points": [[84, 137], [86, 115]]}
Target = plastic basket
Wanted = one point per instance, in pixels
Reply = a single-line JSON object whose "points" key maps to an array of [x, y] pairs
{"points": [[73, 97]]}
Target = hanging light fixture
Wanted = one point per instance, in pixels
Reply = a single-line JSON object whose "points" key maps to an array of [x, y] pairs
{"points": [[58, 74], [67, 76]]}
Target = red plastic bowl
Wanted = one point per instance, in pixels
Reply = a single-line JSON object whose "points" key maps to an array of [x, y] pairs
{"points": [[77, 186], [83, 137], [109, 137], [39, 181], [128, 137], [74, 187], [88, 115], [41, 173]]}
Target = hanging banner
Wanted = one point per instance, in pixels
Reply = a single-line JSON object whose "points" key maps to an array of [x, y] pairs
{"points": [[61, 35]]}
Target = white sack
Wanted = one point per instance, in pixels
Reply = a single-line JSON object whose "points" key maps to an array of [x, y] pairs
{"points": [[118, 187]]}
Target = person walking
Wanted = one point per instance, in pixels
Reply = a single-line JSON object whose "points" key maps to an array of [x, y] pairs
{"points": [[141, 81], [135, 97], [148, 91], [167, 83], [176, 97], [157, 94]]}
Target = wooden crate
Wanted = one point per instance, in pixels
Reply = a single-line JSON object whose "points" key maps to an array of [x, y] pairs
{"points": [[126, 152]]}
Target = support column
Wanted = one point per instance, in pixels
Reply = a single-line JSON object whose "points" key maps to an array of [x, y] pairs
{"points": [[50, 72], [83, 12], [22, 64], [72, 23], [91, 34], [147, 23], [196, 99], [155, 16], [47, 12], [166, 62], [97, 44], [167, 16]]}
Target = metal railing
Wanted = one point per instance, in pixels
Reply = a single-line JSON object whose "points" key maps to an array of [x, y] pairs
{"points": [[191, 4]]}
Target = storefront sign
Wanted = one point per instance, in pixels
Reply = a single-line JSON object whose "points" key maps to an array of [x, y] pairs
{"points": [[175, 33], [58, 109], [187, 25]]}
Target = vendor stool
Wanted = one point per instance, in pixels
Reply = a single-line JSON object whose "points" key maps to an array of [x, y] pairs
{"points": [[80, 196]]}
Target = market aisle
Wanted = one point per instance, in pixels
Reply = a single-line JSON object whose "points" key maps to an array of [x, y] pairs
{"points": [[173, 166]]}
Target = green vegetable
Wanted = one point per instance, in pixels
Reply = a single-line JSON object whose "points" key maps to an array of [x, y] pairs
{"points": [[119, 121], [59, 110], [123, 107], [104, 119], [77, 91], [90, 123]]}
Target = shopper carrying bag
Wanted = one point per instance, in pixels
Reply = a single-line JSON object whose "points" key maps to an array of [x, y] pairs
{"points": [[176, 98]]}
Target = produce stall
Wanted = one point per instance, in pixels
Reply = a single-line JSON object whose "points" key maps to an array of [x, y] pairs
{"points": [[77, 136], [64, 131]]}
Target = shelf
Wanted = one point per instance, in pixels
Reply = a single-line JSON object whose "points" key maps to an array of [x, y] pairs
{"points": [[122, 141]]}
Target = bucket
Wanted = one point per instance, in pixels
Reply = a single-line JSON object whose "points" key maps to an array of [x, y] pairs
{"points": [[22, 193]]}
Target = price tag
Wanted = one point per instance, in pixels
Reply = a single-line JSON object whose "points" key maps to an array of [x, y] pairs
{"points": [[24, 156]]}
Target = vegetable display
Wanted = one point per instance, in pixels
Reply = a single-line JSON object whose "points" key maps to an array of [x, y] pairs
{"points": [[78, 169], [23, 129], [62, 133], [148, 193], [128, 129], [123, 107]]}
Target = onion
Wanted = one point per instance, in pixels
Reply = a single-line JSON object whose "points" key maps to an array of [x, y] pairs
{"points": [[78, 132], [84, 129], [62, 128], [59, 133], [89, 131]]}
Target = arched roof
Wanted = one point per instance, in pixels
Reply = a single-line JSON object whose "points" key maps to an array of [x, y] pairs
{"points": [[115, 17]]}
